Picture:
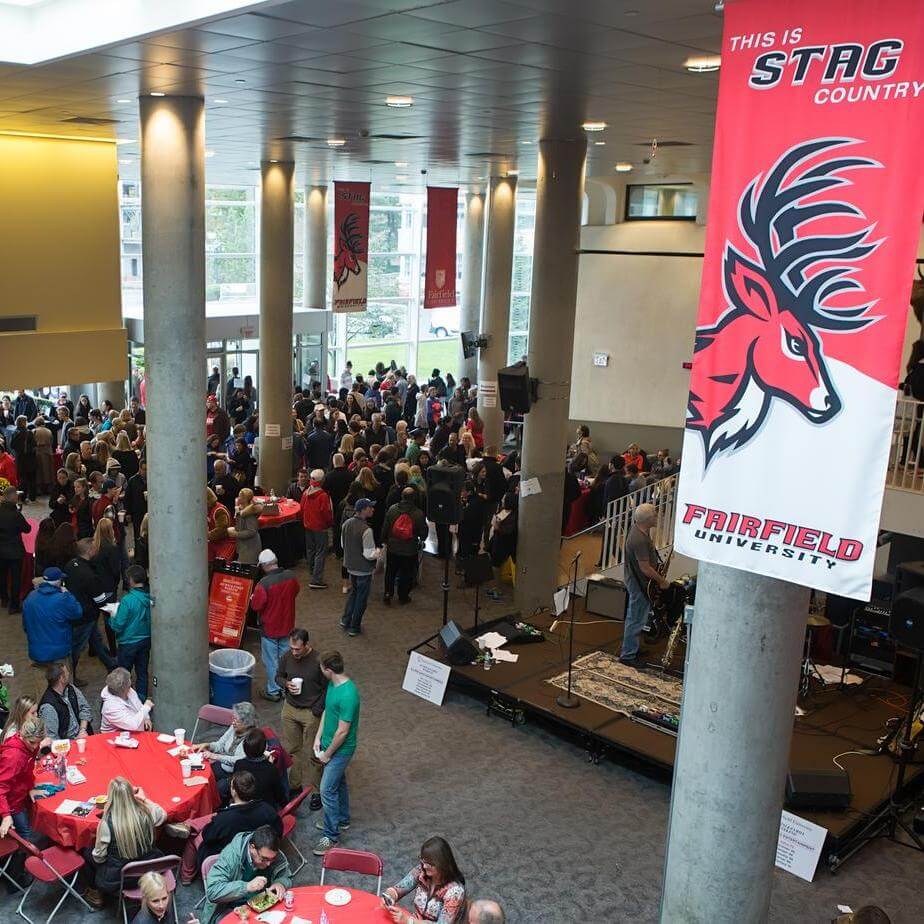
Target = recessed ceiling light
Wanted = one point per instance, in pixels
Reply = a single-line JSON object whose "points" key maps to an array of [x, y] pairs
{"points": [[220, 102], [209, 153], [705, 64], [240, 80], [399, 102], [156, 93], [593, 126], [513, 173], [400, 163], [400, 177], [126, 140], [336, 142], [526, 142], [123, 100], [126, 161], [623, 167], [274, 161], [599, 144]]}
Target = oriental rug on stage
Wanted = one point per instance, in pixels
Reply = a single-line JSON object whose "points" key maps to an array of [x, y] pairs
{"points": [[604, 680]]}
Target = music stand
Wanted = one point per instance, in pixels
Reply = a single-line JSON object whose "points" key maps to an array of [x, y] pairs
{"points": [[478, 571], [568, 700]]}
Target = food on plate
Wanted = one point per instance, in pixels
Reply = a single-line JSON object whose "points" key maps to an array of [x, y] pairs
{"points": [[263, 901]]}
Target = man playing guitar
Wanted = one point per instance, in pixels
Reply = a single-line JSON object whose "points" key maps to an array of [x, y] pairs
{"points": [[642, 564]]}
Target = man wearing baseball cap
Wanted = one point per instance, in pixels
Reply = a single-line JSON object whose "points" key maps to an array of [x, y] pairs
{"points": [[48, 617], [273, 600], [359, 558], [317, 518]]}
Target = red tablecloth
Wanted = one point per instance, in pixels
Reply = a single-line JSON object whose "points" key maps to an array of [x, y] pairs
{"points": [[289, 511], [363, 908], [149, 766]]}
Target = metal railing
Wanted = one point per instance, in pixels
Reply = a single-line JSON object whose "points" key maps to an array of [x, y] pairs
{"points": [[906, 460]]}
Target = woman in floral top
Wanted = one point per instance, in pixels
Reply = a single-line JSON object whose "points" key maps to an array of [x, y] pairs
{"points": [[437, 884]]}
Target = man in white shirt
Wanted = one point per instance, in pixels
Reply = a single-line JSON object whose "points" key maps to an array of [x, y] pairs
{"points": [[346, 377]]}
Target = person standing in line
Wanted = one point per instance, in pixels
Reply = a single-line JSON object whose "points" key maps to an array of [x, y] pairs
{"points": [[300, 674], [346, 377], [335, 745], [246, 529], [273, 600], [23, 445], [84, 583], [44, 455], [404, 529], [132, 627], [359, 560], [48, 617], [642, 563], [13, 525], [317, 518]]}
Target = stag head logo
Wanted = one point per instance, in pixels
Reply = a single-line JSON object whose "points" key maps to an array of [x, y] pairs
{"points": [[349, 247], [766, 344]]}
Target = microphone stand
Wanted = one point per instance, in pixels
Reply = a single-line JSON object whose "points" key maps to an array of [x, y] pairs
{"points": [[568, 700]]}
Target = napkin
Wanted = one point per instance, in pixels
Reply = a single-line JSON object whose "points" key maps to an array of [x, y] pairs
{"points": [[195, 781], [166, 739], [131, 743], [272, 917]]}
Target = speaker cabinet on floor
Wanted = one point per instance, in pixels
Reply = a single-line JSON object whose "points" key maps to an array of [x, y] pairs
{"points": [[460, 648]]}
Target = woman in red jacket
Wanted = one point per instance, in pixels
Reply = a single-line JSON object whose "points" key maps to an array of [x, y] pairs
{"points": [[17, 777]]}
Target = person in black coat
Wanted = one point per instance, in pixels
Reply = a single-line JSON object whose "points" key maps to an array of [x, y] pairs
{"points": [[23, 445], [25, 406], [471, 524], [59, 499], [136, 502], [267, 779], [13, 525], [83, 581], [319, 446]]}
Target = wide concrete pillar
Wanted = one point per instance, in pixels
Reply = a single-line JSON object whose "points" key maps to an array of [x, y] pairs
{"points": [[173, 229], [739, 698], [495, 302], [559, 192], [472, 267], [277, 238], [316, 246]]}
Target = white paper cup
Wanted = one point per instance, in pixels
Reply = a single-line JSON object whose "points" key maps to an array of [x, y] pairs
{"points": [[186, 768], [180, 735], [297, 685], [124, 735], [81, 745]]}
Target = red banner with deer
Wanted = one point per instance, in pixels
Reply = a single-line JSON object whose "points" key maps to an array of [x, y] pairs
{"points": [[351, 246], [442, 220], [813, 226]]}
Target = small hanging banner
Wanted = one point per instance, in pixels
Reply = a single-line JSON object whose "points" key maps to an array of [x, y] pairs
{"points": [[351, 246], [440, 283]]}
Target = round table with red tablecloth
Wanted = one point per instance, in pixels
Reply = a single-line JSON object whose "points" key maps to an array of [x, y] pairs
{"points": [[363, 908], [150, 766], [282, 532]]}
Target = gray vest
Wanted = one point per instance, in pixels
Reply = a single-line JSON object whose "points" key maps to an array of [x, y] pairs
{"points": [[353, 559]]}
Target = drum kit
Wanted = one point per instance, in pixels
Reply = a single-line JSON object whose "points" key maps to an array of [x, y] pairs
{"points": [[816, 620]]}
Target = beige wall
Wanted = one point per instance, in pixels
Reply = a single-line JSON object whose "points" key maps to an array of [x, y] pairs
{"points": [[59, 261]]}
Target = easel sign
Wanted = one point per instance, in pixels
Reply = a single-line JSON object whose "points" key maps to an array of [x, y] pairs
{"points": [[799, 846], [229, 598], [426, 678]]}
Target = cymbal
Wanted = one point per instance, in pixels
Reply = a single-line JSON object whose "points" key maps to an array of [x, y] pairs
{"points": [[816, 621]]}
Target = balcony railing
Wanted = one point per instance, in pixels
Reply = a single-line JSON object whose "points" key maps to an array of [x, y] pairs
{"points": [[906, 460]]}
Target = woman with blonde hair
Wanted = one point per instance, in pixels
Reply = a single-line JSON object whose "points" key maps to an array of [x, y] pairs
{"points": [[125, 455], [25, 707], [467, 441], [246, 529], [106, 558], [157, 906], [103, 453], [346, 446], [125, 834]]}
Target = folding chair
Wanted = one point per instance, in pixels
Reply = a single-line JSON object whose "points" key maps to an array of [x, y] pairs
{"points": [[129, 891], [353, 861], [53, 864], [207, 865], [287, 815], [214, 715], [8, 847]]}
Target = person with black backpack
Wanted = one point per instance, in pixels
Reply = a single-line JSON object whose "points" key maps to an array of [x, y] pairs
{"points": [[404, 529]]}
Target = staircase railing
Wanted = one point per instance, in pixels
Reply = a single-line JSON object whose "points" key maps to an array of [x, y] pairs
{"points": [[906, 460], [618, 521]]}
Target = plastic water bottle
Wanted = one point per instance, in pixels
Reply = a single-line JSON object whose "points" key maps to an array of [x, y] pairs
{"points": [[324, 918]]}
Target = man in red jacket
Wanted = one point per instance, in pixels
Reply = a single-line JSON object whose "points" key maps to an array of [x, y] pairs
{"points": [[273, 600], [17, 777], [317, 518]]}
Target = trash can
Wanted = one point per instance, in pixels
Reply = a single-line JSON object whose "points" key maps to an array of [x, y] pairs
{"points": [[230, 676]]}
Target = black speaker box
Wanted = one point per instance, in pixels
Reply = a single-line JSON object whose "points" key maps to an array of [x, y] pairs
{"points": [[513, 388], [460, 648], [478, 570], [907, 623], [817, 789], [444, 493], [907, 575]]}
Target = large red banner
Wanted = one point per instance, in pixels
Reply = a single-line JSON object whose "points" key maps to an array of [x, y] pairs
{"points": [[229, 597], [814, 218], [351, 246], [442, 220]]}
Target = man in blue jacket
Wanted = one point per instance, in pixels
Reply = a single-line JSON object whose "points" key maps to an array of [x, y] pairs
{"points": [[48, 616]]}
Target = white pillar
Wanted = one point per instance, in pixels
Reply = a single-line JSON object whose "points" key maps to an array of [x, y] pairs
{"points": [[316, 246], [472, 267], [173, 231], [277, 238], [739, 699], [495, 318]]}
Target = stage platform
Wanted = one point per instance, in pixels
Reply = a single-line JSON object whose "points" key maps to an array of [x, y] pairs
{"points": [[836, 720]]}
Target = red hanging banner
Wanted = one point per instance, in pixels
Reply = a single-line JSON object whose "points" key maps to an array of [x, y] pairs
{"points": [[351, 246], [440, 280], [814, 219]]}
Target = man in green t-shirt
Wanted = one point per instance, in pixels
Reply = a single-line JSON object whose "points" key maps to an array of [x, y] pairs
{"points": [[334, 746]]}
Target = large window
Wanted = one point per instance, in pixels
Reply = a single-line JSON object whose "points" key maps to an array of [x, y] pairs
{"points": [[518, 341]]}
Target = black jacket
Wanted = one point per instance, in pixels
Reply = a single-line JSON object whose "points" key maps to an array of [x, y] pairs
{"points": [[337, 482], [12, 526], [128, 459], [108, 568], [319, 445], [233, 820], [83, 581], [136, 504], [269, 782]]}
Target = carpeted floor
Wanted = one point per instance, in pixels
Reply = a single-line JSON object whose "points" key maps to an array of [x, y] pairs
{"points": [[532, 822]]}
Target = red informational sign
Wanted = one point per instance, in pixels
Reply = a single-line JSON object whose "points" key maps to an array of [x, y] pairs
{"points": [[442, 214], [229, 596], [351, 246], [814, 219]]}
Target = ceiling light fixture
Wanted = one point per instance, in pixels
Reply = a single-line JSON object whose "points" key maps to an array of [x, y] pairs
{"points": [[220, 102], [526, 142], [126, 161], [400, 163], [123, 100], [209, 153], [400, 177], [513, 173], [705, 64], [399, 102], [156, 93], [623, 167], [593, 126], [336, 142], [599, 144]]}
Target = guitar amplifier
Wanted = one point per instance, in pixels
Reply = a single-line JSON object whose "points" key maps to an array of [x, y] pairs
{"points": [[606, 597], [872, 647]]}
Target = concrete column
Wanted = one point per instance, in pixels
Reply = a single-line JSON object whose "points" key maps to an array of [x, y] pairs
{"points": [[495, 310], [739, 698], [316, 245], [472, 266], [173, 228], [559, 193], [277, 237]]}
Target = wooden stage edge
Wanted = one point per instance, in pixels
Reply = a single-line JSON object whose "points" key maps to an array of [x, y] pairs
{"points": [[836, 720]]}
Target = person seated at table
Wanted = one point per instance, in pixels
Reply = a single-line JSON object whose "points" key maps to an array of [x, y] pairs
{"points": [[63, 708], [265, 773], [126, 834], [122, 707], [17, 777], [248, 865], [25, 707], [437, 884], [229, 748], [156, 902]]}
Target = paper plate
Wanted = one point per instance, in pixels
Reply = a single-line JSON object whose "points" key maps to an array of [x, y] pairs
{"points": [[338, 897]]}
